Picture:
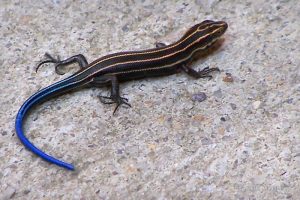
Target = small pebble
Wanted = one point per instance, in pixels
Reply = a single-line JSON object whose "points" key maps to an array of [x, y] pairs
{"points": [[201, 96], [218, 93], [115, 173], [233, 106], [27, 191], [228, 78], [199, 118], [206, 141], [256, 104], [3, 133], [165, 139], [289, 101], [119, 151], [125, 28]]}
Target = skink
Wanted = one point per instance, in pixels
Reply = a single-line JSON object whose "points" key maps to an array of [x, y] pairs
{"points": [[124, 66]]}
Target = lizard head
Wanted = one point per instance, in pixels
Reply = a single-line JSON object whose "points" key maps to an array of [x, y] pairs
{"points": [[215, 29], [206, 32]]}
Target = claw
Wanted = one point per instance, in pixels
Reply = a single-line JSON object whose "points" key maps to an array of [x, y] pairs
{"points": [[118, 100], [41, 63], [57, 61], [204, 73], [50, 60], [50, 57], [121, 101]]}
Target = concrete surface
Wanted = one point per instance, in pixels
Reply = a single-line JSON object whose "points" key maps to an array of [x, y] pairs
{"points": [[242, 142]]}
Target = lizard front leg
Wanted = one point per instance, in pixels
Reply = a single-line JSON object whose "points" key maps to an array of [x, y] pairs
{"points": [[115, 92]]}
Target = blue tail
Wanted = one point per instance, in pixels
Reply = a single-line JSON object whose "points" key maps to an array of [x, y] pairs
{"points": [[42, 95]]}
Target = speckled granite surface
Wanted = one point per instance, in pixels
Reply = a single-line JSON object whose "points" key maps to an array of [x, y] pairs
{"points": [[242, 142]]}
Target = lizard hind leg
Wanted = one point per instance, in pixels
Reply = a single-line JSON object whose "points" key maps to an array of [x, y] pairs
{"points": [[80, 59]]}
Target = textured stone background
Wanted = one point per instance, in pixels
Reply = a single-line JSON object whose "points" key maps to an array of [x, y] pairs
{"points": [[242, 142]]}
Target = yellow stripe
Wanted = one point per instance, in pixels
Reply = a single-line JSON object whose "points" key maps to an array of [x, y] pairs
{"points": [[161, 67], [162, 57], [153, 51], [166, 66], [158, 58]]}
